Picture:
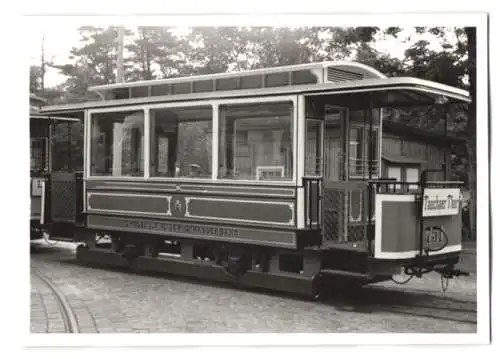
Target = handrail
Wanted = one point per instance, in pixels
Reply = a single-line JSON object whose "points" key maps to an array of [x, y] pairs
{"points": [[312, 201]]}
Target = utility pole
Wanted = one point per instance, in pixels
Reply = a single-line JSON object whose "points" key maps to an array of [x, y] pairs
{"points": [[119, 60], [42, 67]]}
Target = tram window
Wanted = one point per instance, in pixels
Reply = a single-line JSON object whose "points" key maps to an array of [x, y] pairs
{"points": [[359, 151], [313, 162], [39, 154], [67, 146], [256, 142], [356, 150], [117, 145], [181, 142]]}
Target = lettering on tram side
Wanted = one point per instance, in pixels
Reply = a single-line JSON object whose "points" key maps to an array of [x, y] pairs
{"points": [[183, 228], [441, 202]]}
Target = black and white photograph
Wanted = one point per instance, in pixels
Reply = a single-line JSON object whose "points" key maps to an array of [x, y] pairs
{"points": [[240, 177]]}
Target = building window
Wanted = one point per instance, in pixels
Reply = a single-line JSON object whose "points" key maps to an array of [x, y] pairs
{"points": [[117, 144], [412, 176], [256, 141], [181, 142], [394, 173], [404, 173]]}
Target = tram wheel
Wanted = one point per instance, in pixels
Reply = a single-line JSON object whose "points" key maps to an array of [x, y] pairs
{"points": [[117, 245]]}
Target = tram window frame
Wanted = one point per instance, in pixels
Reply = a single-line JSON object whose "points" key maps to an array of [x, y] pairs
{"points": [[215, 104], [172, 125], [316, 127], [227, 135], [39, 162], [108, 149], [361, 143]]}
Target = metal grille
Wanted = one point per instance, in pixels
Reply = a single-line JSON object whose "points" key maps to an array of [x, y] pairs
{"points": [[345, 212], [63, 197], [336, 75], [334, 215]]}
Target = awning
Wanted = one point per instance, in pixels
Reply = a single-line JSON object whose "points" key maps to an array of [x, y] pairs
{"points": [[402, 159]]}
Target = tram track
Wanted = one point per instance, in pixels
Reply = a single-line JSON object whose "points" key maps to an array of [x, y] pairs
{"points": [[67, 313]]}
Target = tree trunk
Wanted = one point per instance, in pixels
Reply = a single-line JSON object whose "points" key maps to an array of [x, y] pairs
{"points": [[471, 128]]}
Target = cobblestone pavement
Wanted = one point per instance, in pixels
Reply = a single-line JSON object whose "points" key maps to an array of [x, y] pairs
{"points": [[110, 301]]}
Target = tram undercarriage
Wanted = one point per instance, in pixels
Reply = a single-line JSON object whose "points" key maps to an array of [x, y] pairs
{"points": [[310, 272]]}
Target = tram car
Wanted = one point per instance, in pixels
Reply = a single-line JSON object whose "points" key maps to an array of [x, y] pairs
{"points": [[53, 194], [282, 178]]}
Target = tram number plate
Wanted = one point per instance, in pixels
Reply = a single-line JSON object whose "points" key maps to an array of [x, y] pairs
{"points": [[436, 239]]}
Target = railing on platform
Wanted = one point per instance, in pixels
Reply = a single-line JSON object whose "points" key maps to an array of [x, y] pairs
{"points": [[345, 212], [312, 207]]}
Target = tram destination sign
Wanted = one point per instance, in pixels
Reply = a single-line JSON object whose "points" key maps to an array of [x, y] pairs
{"points": [[441, 202]]}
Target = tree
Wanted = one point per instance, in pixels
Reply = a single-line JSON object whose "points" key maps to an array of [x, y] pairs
{"points": [[156, 52], [94, 63], [35, 79]]}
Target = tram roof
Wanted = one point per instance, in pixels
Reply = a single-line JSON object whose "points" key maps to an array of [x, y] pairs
{"points": [[319, 72], [386, 92]]}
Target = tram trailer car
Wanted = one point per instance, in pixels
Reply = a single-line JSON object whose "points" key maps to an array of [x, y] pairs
{"points": [[280, 178], [53, 194]]}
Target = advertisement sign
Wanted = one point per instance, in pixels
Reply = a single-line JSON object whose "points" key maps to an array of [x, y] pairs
{"points": [[441, 202]]}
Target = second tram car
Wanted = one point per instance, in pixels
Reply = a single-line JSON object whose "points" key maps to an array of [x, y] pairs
{"points": [[280, 178], [54, 194]]}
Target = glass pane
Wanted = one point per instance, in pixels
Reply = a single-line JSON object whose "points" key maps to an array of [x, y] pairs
{"points": [[357, 164], [412, 176], [67, 146], [181, 142], [394, 173], [313, 148], [256, 141], [355, 201], [38, 154], [117, 144], [374, 149]]}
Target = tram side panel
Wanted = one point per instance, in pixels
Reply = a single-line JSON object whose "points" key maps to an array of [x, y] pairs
{"points": [[406, 227], [245, 215]]}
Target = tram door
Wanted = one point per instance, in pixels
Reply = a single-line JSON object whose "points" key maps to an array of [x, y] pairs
{"points": [[334, 144]]}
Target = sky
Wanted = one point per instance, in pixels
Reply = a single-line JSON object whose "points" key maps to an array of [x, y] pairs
{"points": [[60, 39]]}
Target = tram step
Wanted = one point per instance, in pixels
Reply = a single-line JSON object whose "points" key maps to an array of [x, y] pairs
{"points": [[343, 273], [61, 239]]}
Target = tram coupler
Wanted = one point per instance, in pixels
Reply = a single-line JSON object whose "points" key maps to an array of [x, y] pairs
{"points": [[450, 273], [447, 272]]}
